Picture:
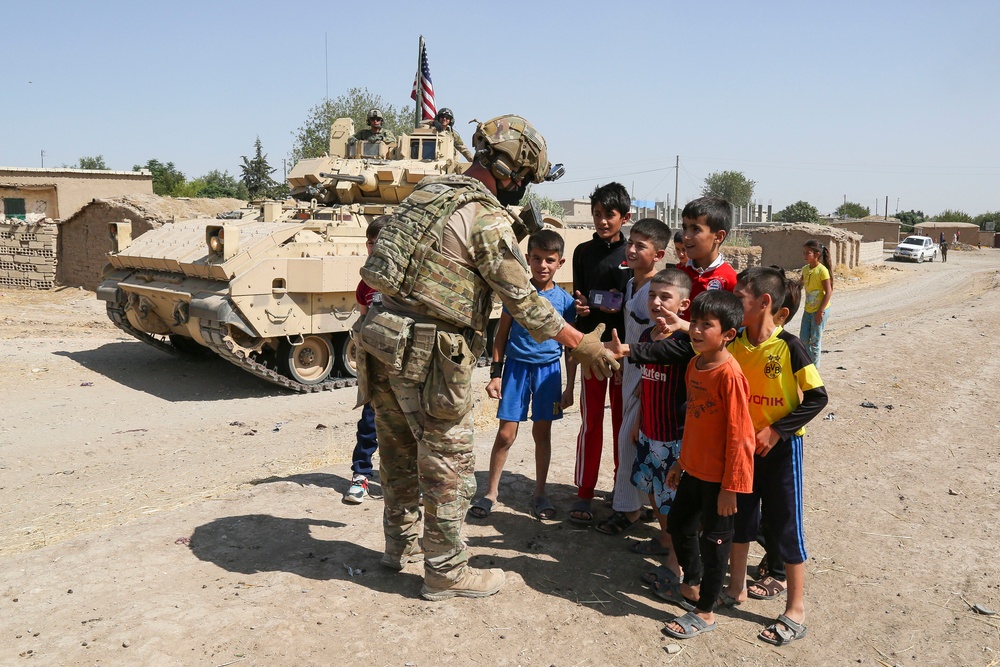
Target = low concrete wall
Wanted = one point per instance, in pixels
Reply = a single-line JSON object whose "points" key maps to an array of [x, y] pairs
{"points": [[28, 255], [871, 251]]}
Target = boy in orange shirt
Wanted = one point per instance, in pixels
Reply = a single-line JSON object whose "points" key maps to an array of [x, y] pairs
{"points": [[716, 462]]}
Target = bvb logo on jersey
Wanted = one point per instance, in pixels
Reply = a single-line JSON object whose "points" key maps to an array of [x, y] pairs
{"points": [[772, 368]]}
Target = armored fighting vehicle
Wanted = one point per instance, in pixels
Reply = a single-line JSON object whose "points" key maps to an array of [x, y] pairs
{"points": [[271, 288]]}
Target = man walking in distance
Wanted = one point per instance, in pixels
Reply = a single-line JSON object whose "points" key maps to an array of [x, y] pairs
{"points": [[438, 261]]}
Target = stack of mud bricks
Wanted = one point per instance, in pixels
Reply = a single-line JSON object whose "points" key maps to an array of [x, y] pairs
{"points": [[28, 255]]}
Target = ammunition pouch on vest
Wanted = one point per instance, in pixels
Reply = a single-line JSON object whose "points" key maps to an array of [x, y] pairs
{"points": [[407, 260]]}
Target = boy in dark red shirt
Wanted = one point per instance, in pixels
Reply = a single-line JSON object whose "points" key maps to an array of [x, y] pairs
{"points": [[707, 222], [599, 264]]}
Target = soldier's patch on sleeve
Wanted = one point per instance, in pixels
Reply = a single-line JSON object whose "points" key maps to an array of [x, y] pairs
{"points": [[510, 243]]}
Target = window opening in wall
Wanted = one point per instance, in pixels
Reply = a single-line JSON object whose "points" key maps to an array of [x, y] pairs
{"points": [[14, 207]]}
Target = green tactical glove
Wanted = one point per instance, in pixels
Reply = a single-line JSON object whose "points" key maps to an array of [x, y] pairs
{"points": [[595, 359]]}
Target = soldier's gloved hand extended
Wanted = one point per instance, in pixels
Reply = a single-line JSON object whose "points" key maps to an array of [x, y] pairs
{"points": [[594, 357]]}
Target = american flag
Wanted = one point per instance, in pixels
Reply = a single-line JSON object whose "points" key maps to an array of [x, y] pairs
{"points": [[422, 84]]}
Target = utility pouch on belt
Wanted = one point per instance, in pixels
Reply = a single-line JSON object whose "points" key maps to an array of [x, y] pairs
{"points": [[421, 351], [385, 336], [448, 390]]}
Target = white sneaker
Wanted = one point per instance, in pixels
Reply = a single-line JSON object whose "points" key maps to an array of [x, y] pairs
{"points": [[358, 490]]}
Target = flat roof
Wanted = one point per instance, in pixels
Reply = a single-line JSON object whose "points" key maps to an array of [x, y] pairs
{"points": [[41, 171]]}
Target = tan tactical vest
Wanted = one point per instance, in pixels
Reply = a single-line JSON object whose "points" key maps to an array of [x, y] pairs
{"points": [[407, 261]]}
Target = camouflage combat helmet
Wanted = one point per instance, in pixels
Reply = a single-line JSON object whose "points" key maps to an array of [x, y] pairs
{"points": [[511, 143], [445, 112], [374, 114]]}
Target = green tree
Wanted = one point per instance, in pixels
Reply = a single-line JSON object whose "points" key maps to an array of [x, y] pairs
{"points": [[545, 204], [732, 186], [949, 215], [91, 162], [257, 175], [312, 139], [167, 179], [800, 211], [908, 219], [989, 216], [852, 211], [222, 184]]}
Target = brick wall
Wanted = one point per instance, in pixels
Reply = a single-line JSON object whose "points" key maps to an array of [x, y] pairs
{"points": [[28, 254], [871, 251]]}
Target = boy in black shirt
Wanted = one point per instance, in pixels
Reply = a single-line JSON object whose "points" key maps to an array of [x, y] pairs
{"points": [[599, 265]]}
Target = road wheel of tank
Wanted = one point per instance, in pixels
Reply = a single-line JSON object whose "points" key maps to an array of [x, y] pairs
{"points": [[345, 347], [188, 347], [308, 363]]}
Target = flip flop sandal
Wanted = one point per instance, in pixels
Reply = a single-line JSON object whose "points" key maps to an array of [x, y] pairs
{"points": [[672, 593], [785, 631], [616, 524], [581, 507], [770, 585], [543, 509], [649, 548], [481, 508], [661, 573], [691, 624]]}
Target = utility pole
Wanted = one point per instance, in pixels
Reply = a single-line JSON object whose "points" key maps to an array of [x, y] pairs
{"points": [[43, 159], [677, 173], [886, 211]]}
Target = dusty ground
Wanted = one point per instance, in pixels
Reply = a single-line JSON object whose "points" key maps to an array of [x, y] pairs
{"points": [[157, 512]]}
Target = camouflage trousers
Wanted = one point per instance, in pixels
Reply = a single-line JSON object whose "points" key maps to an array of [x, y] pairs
{"points": [[422, 455]]}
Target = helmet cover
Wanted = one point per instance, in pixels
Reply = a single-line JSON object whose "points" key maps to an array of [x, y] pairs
{"points": [[519, 141]]}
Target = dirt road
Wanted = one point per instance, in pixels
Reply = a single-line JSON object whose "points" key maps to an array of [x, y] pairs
{"points": [[156, 511]]}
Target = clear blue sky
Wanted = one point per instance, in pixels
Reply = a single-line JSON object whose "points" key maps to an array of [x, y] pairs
{"points": [[812, 101]]}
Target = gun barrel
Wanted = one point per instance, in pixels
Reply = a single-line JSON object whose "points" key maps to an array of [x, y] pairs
{"points": [[350, 178]]}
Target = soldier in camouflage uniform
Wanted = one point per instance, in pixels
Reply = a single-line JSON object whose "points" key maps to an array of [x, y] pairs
{"points": [[444, 122], [375, 131], [449, 247]]}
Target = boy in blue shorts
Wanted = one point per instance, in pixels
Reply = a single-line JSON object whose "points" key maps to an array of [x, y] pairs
{"points": [[779, 371], [530, 374]]}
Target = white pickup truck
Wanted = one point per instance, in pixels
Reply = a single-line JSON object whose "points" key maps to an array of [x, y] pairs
{"points": [[917, 248]]}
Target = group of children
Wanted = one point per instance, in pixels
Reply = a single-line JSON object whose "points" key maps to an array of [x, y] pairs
{"points": [[707, 414]]}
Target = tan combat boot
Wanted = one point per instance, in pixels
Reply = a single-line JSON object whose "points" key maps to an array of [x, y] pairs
{"points": [[472, 584]]}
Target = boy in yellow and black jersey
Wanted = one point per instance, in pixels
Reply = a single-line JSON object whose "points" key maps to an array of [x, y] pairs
{"points": [[777, 368]]}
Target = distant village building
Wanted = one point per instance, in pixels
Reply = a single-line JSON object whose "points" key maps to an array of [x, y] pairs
{"points": [[870, 229], [84, 243], [966, 232], [781, 245], [31, 195]]}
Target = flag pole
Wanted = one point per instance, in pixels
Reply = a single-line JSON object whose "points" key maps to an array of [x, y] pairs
{"points": [[417, 115]]}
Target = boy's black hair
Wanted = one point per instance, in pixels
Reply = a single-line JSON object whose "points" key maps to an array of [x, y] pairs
{"points": [[678, 236], [613, 197], [375, 226], [655, 230], [547, 240], [720, 304], [761, 280], [673, 276], [717, 211], [793, 296]]}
